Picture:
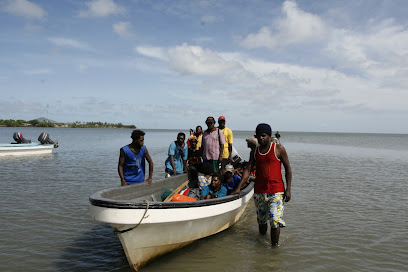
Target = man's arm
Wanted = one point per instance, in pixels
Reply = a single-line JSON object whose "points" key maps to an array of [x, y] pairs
{"points": [[221, 141], [283, 156], [230, 145], [246, 173], [172, 164], [185, 157], [185, 167], [150, 161], [120, 167]]}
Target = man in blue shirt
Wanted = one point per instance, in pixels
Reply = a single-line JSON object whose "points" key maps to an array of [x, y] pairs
{"points": [[131, 166], [176, 163]]}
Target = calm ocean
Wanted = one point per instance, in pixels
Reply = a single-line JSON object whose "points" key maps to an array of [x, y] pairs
{"points": [[348, 210]]}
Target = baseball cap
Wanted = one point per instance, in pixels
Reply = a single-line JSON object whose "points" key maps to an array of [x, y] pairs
{"points": [[221, 118], [193, 138], [229, 168], [210, 119], [253, 141]]}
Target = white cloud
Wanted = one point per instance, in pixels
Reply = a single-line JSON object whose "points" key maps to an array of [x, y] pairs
{"points": [[203, 40], [123, 29], [24, 8], [208, 19], [70, 43], [187, 59], [101, 8], [295, 27], [33, 28], [34, 72], [152, 52]]}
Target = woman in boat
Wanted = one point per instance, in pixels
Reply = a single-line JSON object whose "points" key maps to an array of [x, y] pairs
{"points": [[215, 189]]}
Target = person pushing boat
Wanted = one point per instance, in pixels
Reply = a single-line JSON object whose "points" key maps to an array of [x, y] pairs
{"points": [[269, 189]]}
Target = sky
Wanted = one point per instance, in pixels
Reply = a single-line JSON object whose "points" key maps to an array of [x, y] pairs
{"points": [[318, 66]]}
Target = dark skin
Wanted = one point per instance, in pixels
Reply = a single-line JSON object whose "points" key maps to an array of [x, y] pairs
{"points": [[199, 130], [181, 143], [135, 148], [221, 125], [264, 141], [215, 184], [210, 127]]}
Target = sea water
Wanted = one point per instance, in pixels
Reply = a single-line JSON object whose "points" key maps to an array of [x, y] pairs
{"points": [[348, 210]]}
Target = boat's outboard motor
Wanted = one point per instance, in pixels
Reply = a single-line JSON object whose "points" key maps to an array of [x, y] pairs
{"points": [[44, 138], [18, 137]]}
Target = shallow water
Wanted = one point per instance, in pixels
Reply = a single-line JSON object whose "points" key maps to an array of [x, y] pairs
{"points": [[348, 207]]}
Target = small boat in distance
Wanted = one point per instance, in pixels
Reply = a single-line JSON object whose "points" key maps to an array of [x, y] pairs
{"points": [[23, 146], [149, 227]]}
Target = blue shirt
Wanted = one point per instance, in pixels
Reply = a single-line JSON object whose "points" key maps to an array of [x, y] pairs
{"points": [[134, 166], [220, 193], [235, 180], [178, 158]]}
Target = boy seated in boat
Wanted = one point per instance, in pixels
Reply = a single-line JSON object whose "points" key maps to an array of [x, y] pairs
{"points": [[214, 190], [230, 179], [205, 179]]}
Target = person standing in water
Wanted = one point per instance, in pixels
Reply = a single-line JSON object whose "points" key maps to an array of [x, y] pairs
{"points": [[131, 166], [269, 189]]}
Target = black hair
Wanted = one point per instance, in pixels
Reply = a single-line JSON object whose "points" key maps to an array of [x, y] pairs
{"points": [[137, 133], [207, 169], [199, 127], [226, 175], [181, 133]]}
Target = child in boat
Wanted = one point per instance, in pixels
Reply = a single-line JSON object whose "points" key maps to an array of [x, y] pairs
{"points": [[230, 179], [205, 180], [215, 189]]}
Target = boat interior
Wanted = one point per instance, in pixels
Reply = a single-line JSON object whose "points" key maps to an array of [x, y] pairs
{"points": [[137, 195]]}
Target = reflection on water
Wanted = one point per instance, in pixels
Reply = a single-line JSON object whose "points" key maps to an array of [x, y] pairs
{"points": [[348, 207]]}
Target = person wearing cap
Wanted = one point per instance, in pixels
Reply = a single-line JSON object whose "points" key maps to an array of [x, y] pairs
{"points": [[226, 153], [198, 133], [269, 189], [229, 179], [252, 143], [213, 144]]}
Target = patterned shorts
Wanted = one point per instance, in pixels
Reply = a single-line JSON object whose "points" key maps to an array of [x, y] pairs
{"points": [[269, 207]]}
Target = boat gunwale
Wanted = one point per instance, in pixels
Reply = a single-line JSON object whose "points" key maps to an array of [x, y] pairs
{"points": [[16, 145], [96, 200]]}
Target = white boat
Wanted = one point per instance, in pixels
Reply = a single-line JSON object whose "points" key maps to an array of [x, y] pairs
{"points": [[148, 227], [25, 149], [23, 146]]}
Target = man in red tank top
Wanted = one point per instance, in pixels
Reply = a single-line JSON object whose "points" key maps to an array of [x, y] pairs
{"points": [[269, 189]]}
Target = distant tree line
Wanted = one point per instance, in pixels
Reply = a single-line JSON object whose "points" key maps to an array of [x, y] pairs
{"points": [[77, 124]]}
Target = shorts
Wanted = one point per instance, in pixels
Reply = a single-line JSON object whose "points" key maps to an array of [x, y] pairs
{"points": [[269, 207]]}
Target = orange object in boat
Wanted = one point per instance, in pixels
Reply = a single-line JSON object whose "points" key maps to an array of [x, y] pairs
{"points": [[178, 197]]}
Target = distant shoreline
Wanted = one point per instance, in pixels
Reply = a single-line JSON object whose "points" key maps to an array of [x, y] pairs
{"points": [[42, 122]]}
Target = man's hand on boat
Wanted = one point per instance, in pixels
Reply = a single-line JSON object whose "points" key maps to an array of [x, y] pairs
{"points": [[149, 181], [237, 191]]}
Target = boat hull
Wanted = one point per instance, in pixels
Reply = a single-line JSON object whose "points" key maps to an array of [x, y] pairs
{"points": [[25, 149], [146, 233]]}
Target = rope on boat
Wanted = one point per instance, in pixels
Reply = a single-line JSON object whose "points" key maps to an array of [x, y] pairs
{"points": [[132, 228]]}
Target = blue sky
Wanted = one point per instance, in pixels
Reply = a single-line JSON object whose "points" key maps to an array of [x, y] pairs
{"points": [[338, 66]]}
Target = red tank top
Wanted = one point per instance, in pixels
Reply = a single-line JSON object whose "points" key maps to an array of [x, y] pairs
{"points": [[268, 178]]}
